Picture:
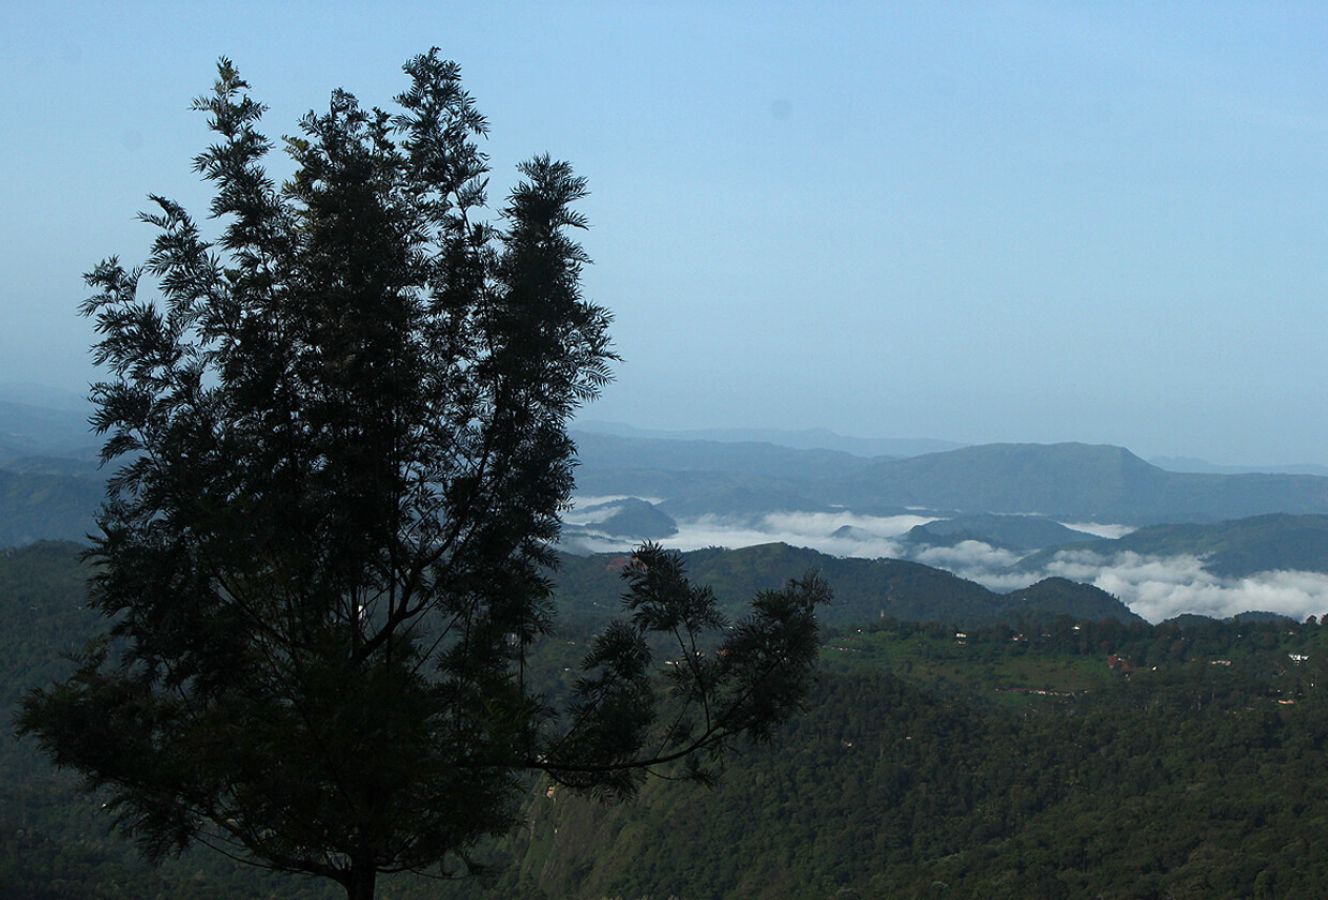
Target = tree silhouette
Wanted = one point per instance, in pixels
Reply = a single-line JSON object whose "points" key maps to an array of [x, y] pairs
{"points": [[340, 432]]}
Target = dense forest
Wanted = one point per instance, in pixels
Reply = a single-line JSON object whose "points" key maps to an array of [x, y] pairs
{"points": [[1046, 757]]}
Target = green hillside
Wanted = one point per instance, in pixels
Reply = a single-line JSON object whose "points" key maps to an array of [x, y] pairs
{"points": [[55, 841], [866, 590], [1001, 764]]}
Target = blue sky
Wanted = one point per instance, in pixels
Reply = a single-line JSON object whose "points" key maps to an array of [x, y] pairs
{"points": [[979, 222]]}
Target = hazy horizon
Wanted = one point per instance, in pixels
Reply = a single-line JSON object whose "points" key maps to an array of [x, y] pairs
{"points": [[70, 399], [1010, 222]]}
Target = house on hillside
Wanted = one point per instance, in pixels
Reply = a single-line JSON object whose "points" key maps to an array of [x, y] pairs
{"points": [[1119, 664]]}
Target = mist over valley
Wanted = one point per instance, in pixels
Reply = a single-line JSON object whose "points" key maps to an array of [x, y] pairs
{"points": [[1004, 516]]}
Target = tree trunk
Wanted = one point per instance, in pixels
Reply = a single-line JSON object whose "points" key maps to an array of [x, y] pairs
{"points": [[360, 886]]}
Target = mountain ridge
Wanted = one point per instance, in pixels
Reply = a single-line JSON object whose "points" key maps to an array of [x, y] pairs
{"points": [[1085, 482], [866, 590]]}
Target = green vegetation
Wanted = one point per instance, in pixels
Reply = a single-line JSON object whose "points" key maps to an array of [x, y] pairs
{"points": [[55, 840], [1013, 761], [990, 767]]}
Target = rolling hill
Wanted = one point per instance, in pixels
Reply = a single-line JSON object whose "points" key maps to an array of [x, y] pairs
{"points": [[1018, 533]]}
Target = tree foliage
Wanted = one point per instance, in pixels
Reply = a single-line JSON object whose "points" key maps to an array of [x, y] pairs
{"points": [[340, 435]]}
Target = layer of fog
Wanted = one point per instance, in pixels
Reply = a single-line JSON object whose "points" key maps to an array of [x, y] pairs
{"points": [[869, 537], [1155, 588], [1158, 587], [1101, 529]]}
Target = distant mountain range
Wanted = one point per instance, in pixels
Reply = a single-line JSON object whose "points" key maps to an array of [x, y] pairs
{"points": [[1067, 482], [27, 430], [1013, 497], [824, 439], [50, 484], [1077, 482], [755, 459], [802, 439], [696, 478], [1191, 464]]}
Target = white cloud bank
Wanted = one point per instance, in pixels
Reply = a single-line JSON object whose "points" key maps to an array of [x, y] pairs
{"points": [[869, 537], [1101, 529], [1156, 588]]}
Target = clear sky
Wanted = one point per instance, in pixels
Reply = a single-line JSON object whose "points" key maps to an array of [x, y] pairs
{"points": [[980, 222]]}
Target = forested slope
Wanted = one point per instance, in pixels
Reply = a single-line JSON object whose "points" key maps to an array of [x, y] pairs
{"points": [[1050, 757], [922, 769]]}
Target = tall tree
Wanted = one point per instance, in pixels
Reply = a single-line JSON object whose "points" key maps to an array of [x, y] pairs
{"points": [[341, 436]]}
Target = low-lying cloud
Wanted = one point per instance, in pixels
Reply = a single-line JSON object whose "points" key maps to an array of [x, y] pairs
{"points": [[1154, 587], [970, 559], [1101, 529], [1160, 587], [837, 533]]}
